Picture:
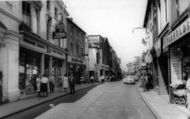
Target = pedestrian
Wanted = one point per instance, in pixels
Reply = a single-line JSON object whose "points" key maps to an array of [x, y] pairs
{"points": [[38, 83], [44, 85], [33, 82], [65, 83], [60, 82], [188, 92], [92, 79], [71, 84], [102, 79], [51, 83]]}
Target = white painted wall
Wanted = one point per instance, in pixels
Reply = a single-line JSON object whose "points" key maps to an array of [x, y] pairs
{"points": [[92, 59]]}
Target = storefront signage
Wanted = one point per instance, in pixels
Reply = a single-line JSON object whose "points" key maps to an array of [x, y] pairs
{"points": [[105, 67], [59, 31], [76, 60], [157, 47], [180, 31]]}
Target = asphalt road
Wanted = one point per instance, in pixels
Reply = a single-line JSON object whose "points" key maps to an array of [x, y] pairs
{"points": [[112, 100], [34, 112]]}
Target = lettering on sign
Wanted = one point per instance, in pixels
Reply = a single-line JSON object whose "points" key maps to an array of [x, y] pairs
{"points": [[180, 31]]}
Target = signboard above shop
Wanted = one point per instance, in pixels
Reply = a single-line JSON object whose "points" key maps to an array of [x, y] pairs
{"points": [[179, 32]]}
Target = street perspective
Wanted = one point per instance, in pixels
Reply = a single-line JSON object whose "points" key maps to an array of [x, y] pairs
{"points": [[94, 59]]}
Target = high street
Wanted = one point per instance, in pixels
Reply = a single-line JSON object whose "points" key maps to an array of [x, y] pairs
{"points": [[112, 100]]}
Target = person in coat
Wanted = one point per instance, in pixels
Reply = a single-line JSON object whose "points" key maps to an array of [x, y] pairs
{"points": [[65, 82], [71, 84], [38, 84]]}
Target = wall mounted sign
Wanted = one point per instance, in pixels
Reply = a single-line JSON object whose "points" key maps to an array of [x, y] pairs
{"points": [[59, 31], [180, 31]]}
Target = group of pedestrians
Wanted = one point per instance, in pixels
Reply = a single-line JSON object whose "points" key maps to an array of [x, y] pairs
{"points": [[146, 81], [44, 85]]}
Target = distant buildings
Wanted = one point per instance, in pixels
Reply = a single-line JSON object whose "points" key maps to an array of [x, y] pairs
{"points": [[102, 58]]}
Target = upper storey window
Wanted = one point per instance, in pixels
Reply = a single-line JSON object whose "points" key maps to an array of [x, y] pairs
{"points": [[26, 13]]}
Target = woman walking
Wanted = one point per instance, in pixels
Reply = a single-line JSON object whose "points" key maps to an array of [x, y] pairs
{"points": [[38, 83], [65, 83]]}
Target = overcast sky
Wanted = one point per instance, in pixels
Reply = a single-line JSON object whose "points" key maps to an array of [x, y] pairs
{"points": [[114, 19]]}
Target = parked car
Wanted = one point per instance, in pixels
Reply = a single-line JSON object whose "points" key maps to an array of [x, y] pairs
{"points": [[129, 80]]}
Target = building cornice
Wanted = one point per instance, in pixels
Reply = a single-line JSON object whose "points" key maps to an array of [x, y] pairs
{"points": [[10, 15]]}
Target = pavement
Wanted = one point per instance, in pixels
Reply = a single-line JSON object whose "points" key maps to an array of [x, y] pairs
{"points": [[32, 101], [161, 107]]}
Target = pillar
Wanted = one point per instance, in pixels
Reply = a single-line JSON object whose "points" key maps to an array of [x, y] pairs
{"points": [[9, 65], [50, 65], [42, 67]]}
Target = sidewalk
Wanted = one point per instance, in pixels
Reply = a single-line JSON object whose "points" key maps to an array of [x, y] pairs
{"points": [[21, 105], [160, 106]]}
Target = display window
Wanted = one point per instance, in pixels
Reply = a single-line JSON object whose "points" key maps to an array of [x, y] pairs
{"points": [[29, 68]]}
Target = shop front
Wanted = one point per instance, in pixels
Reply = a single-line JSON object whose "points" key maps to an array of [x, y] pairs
{"points": [[177, 45], [76, 68], [29, 68]]}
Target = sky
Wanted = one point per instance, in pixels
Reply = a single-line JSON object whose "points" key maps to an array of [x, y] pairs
{"points": [[114, 19]]}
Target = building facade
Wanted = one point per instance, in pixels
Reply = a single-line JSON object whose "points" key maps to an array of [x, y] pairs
{"points": [[170, 51], [102, 58], [39, 48], [76, 48]]}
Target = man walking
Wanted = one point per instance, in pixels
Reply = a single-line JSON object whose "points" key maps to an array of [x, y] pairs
{"points": [[71, 84], [51, 83]]}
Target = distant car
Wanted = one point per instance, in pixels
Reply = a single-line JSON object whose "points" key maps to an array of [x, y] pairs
{"points": [[129, 80]]}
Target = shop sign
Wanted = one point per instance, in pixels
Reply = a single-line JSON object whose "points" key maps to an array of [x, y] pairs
{"points": [[59, 31], [76, 60], [157, 47], [105, 67], [180, 31]]}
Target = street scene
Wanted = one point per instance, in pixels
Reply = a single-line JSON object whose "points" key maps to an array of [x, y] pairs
{"points": [[94, 59]]}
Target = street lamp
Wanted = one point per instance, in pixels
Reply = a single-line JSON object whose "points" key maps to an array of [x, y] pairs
{"points": [[144, 40], [135, 28]]}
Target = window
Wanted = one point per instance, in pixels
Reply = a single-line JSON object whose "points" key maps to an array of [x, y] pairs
{"points": [[26, 13], [177, 7], [38, 21], [71, 48], [97, 57], [166, 10], [81, 52], [77, 50], [48, 28], [48, 5], [56, 13]]}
